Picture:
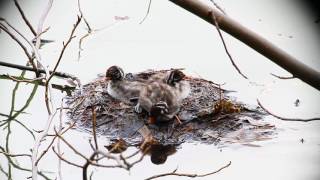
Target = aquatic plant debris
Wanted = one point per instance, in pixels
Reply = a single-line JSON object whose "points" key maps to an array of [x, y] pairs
{"points": [[209, 115]]}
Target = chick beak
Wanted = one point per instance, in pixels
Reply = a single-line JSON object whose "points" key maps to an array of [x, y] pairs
{"points": [[186, 78], [151, 120]]}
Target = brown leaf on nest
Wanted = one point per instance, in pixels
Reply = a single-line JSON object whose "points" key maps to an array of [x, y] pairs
{"points": [[226, 106], [118, 146]]}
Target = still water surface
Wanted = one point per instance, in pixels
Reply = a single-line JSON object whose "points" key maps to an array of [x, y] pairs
{"points": [[171, 37]]}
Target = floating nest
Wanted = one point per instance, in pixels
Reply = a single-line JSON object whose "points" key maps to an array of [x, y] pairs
{"points": [[209, 115]]}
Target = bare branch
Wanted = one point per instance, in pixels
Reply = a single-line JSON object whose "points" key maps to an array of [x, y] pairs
{"points": [[283, 118], [173, 173]]}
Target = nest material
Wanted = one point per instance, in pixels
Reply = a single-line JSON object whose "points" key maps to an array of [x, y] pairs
{"points": [[201, 120]]}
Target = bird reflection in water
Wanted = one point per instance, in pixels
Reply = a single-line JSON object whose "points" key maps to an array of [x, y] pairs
{"points": [[159, 152]]}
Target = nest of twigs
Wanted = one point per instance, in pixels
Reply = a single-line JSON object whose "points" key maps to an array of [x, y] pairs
{"points": [[209, 115]]}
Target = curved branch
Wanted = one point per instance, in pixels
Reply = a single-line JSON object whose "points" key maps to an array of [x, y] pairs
{"points": [[174, 173], [286, 119], [255, 41]]}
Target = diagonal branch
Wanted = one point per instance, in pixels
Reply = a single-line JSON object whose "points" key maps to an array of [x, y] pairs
{"points": [[30, 58], [253, 40], [25, 18], [225, 46], [65, 46]]}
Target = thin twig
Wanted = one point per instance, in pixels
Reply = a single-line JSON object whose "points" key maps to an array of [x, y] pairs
{"points": [[286, 119], [39, 63], [58, 143], [63, 159], [59, 74], [89, 32], [66, 88], [37, 144], [15, 165], [215, 21], [25, 80], [106, 155], [14, 155], [85, 20], [52, 141], [173, 173], [218, 7], [25, 18], [283, 77], [65, 46], [21, 45], [41, 22], [145, 17], [48, 88], [94, 124]]}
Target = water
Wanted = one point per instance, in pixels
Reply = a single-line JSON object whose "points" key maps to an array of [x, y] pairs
{"points": [[177, 39]]}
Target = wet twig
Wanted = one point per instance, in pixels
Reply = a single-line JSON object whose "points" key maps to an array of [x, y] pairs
{"points": [[174, 173], [286, 119]]}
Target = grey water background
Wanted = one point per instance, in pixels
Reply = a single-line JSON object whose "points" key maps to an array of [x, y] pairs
{"points": [[172, 37]]}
